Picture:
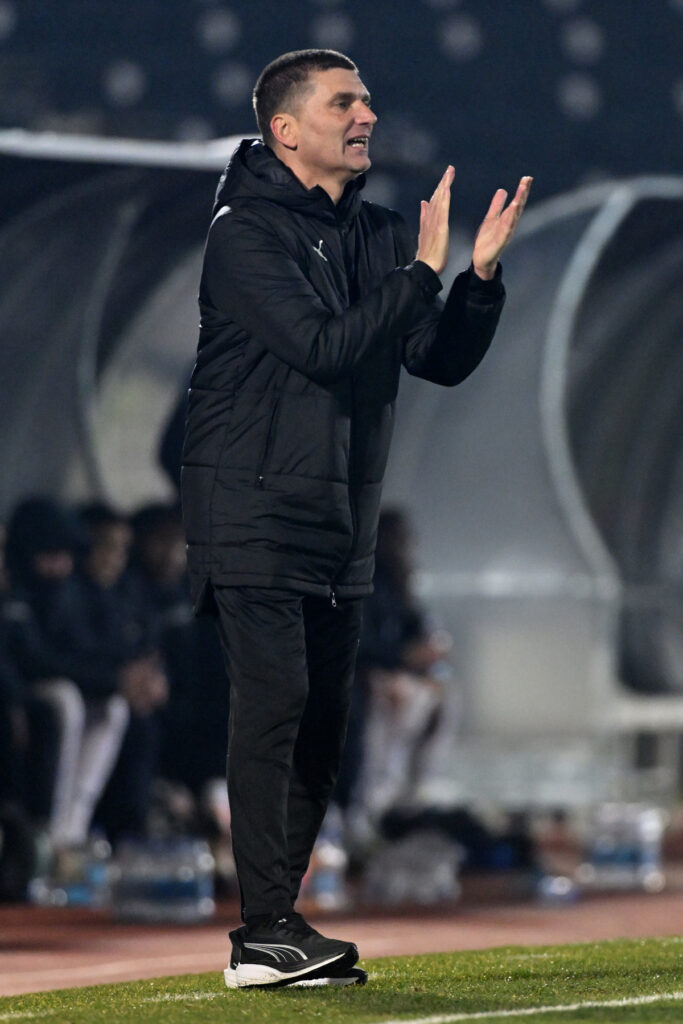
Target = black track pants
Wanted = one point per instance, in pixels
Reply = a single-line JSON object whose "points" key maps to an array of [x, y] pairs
{"points": [[290, 661]]}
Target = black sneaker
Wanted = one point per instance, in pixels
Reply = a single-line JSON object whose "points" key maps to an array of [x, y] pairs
{"points": [[288, 952]]}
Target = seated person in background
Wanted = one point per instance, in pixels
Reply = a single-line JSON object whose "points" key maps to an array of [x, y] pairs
{"points": [[54, 640], [195, 735], [121, 623], [193, 723], [28, 732], [398, 707], [25, 736], [13, 721], [159, 562], [14, 728]]}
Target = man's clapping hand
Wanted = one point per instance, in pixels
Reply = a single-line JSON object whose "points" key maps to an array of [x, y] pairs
{"points": [[495, 231], [497, 228], [432, 245]]}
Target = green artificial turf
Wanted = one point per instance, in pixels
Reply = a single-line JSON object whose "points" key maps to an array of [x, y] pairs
{"points": [[438, 985]]}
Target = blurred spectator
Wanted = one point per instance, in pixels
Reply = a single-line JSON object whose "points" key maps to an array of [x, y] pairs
{"points": [[398, 698], [159, 562], [14, 727], [28, 730], [196, 719], [22, 755], [194, 722], [112, 619], [404, 721], [13, 721], [123, 626], [54, 638]]}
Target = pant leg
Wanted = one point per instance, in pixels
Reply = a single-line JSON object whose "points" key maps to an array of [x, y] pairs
{"points": [[123, 807], [105, 725], [41, 759], [66, 700], [332, 636], [264, 647]]}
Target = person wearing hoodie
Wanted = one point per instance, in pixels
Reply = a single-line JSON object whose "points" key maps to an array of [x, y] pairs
{"points": [[311, 301], [117, 620], [88, 688]]}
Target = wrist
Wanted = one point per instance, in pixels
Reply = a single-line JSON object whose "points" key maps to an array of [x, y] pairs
{"points": [[485, 273], [428, 263]]}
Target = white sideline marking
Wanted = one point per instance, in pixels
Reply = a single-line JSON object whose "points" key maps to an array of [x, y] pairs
{"points": [[528, 956], [26, 1014], [179, 997], [451, 1018]]}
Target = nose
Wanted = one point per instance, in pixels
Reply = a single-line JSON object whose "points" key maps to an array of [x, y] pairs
{"points": [[365, 114]]}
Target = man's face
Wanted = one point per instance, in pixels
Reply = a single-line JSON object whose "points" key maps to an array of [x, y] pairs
{"points": [[108, 555], [333, 124], [53, 565]]}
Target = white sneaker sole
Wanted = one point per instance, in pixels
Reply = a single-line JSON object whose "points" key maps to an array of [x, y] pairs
{"points": [[314, 982], [245, 975]]}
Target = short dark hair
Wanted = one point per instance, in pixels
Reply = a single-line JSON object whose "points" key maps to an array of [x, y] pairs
{"points": [[282, 82]]}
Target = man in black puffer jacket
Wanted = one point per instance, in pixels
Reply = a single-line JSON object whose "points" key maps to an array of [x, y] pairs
{"points": [[311, 301]]}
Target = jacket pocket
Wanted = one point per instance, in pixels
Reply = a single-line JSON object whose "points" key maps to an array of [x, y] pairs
{"points": [[262, 464]]}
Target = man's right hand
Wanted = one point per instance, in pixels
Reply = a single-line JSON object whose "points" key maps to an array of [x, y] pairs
{"points": [[432, 246]]}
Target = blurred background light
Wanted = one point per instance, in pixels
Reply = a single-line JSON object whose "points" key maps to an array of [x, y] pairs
{"points": [[579, 96], [231, 83], [461, 37], [218, 29], [335, 31], [8, 19], [583, 40], [124, 83]]}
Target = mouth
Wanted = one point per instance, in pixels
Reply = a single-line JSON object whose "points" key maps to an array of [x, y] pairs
{"points": [[359, 142]]}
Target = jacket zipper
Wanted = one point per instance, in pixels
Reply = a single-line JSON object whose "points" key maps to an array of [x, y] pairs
{"points": [[352, 507], [268, 445]]}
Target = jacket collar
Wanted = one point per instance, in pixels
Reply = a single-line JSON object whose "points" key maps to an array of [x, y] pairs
{"points": [[255, 172]]}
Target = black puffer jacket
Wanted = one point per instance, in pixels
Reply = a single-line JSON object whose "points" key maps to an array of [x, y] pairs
{"points": [[308, 311]]}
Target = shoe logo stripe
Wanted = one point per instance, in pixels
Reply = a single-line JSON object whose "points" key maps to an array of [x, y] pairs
{"points": [[279, 952]]}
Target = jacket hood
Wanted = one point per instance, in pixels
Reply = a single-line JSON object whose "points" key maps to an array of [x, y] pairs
{"points": [[255, 172], [38, 525]]}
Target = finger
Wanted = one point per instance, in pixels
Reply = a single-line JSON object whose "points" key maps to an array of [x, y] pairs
{"points": [[521, 196], [523, 189], [497, 204], [526, 183], [445, 182]]}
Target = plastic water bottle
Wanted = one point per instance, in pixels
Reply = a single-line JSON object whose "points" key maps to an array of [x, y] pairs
{"points": [[624, 848], [324, 884], [79, 877], [556, 889], [165, 881]]}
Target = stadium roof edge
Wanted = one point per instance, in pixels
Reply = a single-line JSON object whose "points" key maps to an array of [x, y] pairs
{"points": [[210, 155]]}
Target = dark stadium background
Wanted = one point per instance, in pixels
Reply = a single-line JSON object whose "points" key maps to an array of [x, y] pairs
{"points": [[568, 90]]}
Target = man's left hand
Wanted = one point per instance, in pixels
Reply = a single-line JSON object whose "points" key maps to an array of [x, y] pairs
{"points": [[497, 228]]}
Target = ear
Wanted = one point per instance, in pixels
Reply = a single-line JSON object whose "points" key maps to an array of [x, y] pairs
{"points": [[284, 129]]}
